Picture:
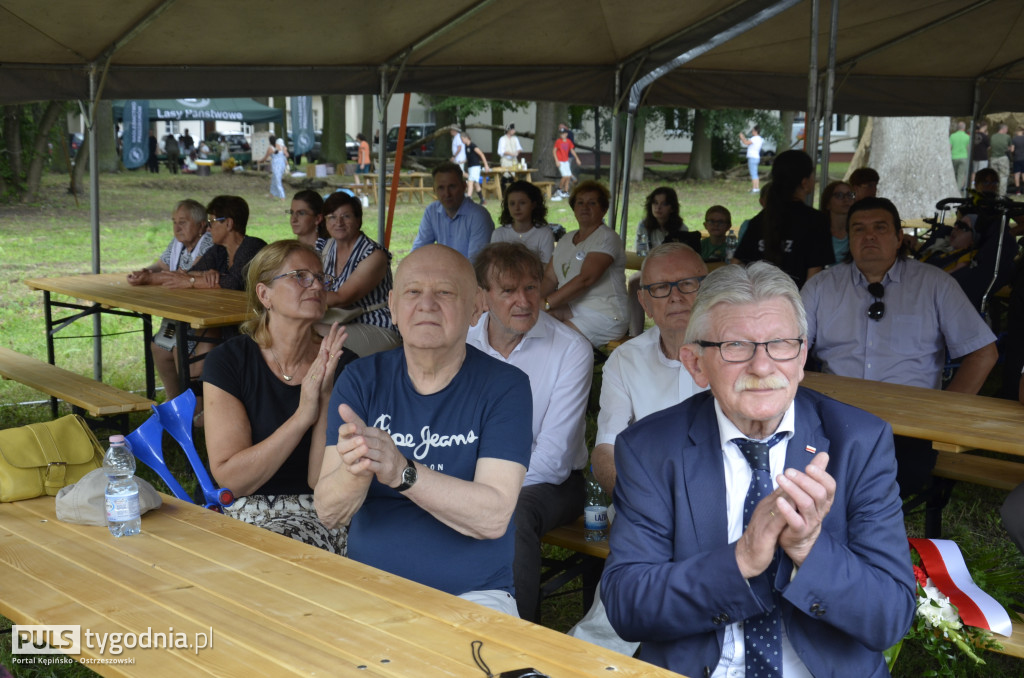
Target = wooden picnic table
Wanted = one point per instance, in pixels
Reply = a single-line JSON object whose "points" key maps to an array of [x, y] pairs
{"points": [[958, 420], [267, 604], [110, 293]]}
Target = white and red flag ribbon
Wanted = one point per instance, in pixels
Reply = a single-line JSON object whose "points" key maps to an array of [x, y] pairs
{"points": [[946, 568]]}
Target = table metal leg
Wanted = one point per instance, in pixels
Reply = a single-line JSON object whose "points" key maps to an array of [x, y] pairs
{"points": [[147, 333], [50, 356]]}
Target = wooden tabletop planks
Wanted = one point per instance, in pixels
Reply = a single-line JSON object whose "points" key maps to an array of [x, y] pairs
{"points": [[276, 606], [199, 308], [969, 421]]}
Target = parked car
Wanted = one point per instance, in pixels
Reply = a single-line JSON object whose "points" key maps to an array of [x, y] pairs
{"points": [[413, 132], [351, 147], [312, 155]]}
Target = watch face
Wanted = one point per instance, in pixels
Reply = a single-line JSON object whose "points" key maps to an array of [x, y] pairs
{"points": [[409, 475]]}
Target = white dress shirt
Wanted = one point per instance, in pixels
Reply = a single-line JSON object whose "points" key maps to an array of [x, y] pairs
{"points": [[732, 663], [560, 365], [639, 380]]}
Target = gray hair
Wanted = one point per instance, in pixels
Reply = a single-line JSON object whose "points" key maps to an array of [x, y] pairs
{"points": [[665, 250], [734, 284], [196, 210]]}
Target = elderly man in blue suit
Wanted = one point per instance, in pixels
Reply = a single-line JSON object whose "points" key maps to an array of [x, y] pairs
{"points": [[759, 528]]}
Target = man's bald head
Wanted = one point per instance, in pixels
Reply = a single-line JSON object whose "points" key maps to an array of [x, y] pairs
{"points": [[435, 298]]}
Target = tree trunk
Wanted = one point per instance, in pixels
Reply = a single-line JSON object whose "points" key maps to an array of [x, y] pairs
{"points": [[498, 120], [786, 119], [281, 127], [106, 140], [40, 152], [442, 118], [333, 141], [77, 186], [636, 155], [862, 156], [912, 158], [261, 126], [369, 117], [545, 124], [700, 151], [12, 135]]}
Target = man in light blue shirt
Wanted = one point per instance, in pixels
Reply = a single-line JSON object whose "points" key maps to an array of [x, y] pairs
{"points": [[452, 220], [887, 318]]}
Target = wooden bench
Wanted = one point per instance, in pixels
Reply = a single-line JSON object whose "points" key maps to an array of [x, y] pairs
{"points": [[586, 560], [953, 464], [85, 395], [546, 187]]}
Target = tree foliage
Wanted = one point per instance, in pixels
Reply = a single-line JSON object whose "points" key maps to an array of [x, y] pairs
{"points": [[29, 140], [462, 108]]}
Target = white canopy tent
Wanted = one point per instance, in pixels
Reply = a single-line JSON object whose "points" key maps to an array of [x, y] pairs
{"points": [[912, 57]]}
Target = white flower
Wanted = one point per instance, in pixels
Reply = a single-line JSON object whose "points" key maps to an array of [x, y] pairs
{"points": [[936, 609]]}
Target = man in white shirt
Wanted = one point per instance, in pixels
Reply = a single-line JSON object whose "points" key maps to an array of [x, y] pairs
{"points": [[753, 145], [458, 148], [559, 363], [641, 377]]}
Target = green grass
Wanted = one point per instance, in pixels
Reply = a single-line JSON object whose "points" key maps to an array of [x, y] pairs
{"points": [[52, 238]]}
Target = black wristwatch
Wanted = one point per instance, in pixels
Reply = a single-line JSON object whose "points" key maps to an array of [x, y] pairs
{"points": [[408, 476]]}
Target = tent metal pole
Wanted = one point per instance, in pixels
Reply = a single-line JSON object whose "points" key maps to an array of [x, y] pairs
{"points": [[830, 82], [626, 157], [94, 218], [636, 90], [975, 110], [613, 166], [382, 152], [811, 116]]}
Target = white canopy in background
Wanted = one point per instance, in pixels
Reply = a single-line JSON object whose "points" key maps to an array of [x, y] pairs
{"points": [[895, 57]]}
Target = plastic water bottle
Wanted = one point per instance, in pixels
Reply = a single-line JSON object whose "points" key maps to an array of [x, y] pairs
{"points": [[122, 495], [730, 245], [642, 244], [595, 513]]}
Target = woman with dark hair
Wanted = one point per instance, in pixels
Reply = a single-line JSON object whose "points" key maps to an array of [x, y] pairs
{"points": [[661, 218], [835, 202], [307, 219], [268, 390], [524, 218], [661, 224], [585, 282], [788, 232], [360, 268]]}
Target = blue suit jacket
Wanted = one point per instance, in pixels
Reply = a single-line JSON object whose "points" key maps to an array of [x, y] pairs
{"points": [[672, 581]]}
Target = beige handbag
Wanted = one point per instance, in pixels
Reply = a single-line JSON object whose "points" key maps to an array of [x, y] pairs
{"points": [[42, 458]]}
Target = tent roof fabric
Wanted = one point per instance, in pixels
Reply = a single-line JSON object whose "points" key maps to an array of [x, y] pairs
{"points": [[912, 57], [236, 110]]}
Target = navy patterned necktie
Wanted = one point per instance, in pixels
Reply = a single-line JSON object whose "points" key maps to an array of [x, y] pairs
{"points": [[762, 637]]}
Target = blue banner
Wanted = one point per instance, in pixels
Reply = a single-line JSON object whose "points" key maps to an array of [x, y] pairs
{"points": [[135, 133], [302, 125]]}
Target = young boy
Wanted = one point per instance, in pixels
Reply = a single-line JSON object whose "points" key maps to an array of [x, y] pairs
{"points": [[563, 147], [717, 222]]}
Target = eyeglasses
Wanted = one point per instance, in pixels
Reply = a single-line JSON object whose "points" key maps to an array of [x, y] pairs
{"points": [[778, 350], [660, 290], [298, 213], [847, 195], [876, 311], [305, 278], [212, 219]]}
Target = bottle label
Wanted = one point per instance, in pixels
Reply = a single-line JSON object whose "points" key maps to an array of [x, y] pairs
{"points": [[595, 518], [122, 507]]}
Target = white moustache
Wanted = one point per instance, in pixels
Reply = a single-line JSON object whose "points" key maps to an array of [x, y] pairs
{"points": [[749, 383]]}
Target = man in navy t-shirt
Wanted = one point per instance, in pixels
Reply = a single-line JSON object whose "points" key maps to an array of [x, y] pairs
{"points": [[428, 444]]}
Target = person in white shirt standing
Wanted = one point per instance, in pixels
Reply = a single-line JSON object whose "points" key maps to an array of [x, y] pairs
{"points": [[753, 145], [560, 364]]}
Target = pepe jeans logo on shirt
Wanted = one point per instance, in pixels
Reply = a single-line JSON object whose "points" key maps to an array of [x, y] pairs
{"points": [[427, 438]]}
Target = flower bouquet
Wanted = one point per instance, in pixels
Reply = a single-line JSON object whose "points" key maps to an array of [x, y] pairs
{"points": [[953, 613]]}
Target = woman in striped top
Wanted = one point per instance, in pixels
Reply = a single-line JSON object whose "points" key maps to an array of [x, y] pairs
{"points": [[362, 271]]}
